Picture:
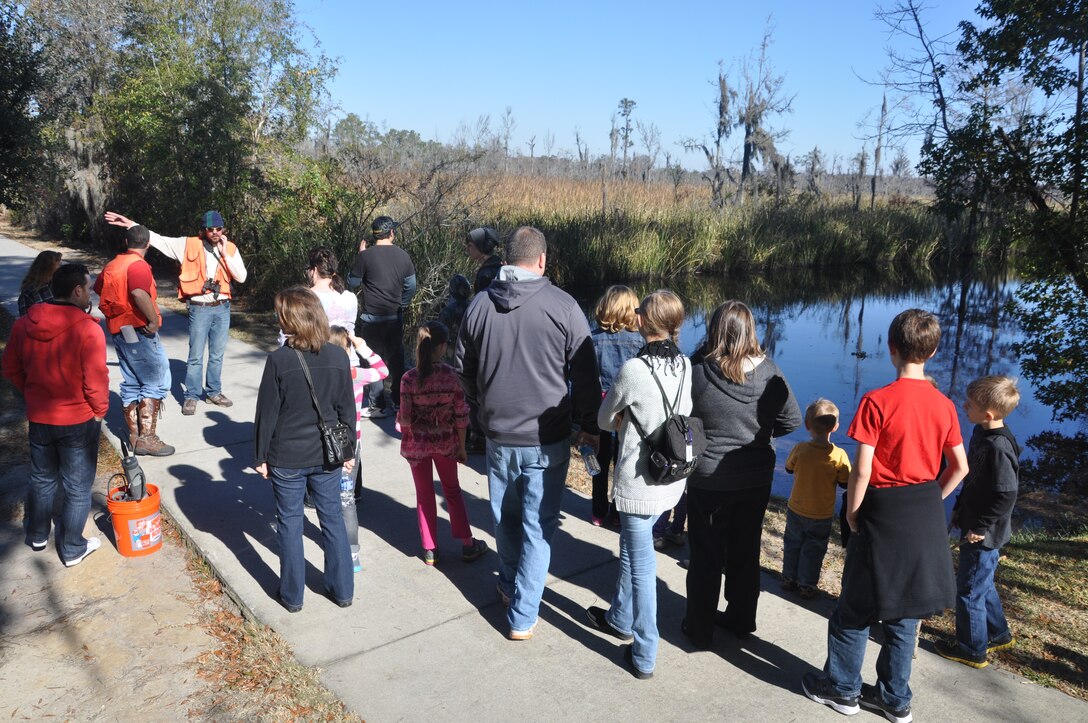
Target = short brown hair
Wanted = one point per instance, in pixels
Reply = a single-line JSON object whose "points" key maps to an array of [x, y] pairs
{"points": [[996, 394], [914, 334], [616, 310], [662, 313], [731, 338], [302, 318], [525, 246], [821, 416]]}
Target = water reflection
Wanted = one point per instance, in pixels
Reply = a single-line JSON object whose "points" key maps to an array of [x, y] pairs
{"points": [[827, 332]]}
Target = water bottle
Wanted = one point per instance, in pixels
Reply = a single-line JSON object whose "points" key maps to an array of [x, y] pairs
{"points": [[347, 489], [589, 457]]}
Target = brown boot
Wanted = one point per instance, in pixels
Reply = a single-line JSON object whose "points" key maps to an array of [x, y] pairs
{"points": [[132, 421], [149, 442]]}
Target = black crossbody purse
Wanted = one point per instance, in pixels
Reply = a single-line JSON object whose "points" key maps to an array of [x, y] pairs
{"points": [[337, 440]]}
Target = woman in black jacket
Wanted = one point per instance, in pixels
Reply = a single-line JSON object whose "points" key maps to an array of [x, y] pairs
{"points": [[744, 402], [288, 443]]}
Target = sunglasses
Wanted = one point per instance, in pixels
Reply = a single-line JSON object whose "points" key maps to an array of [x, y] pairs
{"points": [[213, 228]]}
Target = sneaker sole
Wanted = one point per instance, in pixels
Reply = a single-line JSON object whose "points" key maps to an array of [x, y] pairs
{"points": [[966, 661], [84, 556], [38, 546], [1001, 646], [830, 703], [521, 634], [886, 713]]}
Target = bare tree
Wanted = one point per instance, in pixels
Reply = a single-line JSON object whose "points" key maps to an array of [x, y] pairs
{"points": [[626, 108], [762, 97], [613, 143], [814, 170], [583, 150], [877, 150], [650, 136], [712, 148], [506, 130], [859, 167]]}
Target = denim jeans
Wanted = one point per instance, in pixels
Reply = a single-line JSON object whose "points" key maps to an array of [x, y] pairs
{"points": [[145, 368], [846, 653], [289, 486], [386, 337], [673, 520], [634, 606], [804, 547], [526, 488], [208, 326], [979, 615], [69, 455]]}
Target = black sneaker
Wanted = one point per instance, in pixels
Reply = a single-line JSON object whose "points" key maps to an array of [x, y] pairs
{"points": [[1001, 642], [818, 688], [871, 700], [598, 620], [954, 651]]}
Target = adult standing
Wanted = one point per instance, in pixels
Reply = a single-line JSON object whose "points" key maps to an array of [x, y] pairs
{"points": [[388, 280], [36, 284], [521, 342], [341, 305], [744, 402], [646, 387], [210, 265], [57, 358], [288, 443], [128, 299], [480, 244]]}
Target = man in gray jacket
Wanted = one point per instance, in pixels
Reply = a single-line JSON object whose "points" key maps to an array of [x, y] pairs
{"points": [[521, 341]]}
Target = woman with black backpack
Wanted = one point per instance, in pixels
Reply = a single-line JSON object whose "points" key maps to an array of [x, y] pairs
{"points": [[743, 400], [640, 490]]}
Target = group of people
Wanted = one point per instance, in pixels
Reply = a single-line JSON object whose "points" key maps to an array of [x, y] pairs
{"points": [[531, 379]]}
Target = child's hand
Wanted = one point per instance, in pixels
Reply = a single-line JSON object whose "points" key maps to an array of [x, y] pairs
{"points": [[462, 455]]}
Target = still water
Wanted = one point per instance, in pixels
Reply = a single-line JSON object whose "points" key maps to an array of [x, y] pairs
{"points": [[829, 337]]}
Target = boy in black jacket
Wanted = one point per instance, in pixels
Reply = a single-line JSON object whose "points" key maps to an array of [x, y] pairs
{"points": [[983, 513]]}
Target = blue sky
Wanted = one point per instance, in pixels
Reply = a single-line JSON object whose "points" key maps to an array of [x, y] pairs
{"points": [[431, 66]]}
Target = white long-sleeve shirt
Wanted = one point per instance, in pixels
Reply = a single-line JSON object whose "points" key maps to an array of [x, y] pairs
{"points": [[174, 247]]}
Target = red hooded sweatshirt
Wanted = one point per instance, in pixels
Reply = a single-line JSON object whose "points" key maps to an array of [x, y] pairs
{"points": [[57, 358]]}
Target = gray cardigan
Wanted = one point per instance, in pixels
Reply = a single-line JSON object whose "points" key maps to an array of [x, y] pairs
{"points": [[634, 392]]}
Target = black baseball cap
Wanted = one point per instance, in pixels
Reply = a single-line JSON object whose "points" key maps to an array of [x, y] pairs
{"points": [[383, 225]]}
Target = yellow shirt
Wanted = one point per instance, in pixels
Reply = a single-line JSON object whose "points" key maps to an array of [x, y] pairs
{"points": [[817, 468]]}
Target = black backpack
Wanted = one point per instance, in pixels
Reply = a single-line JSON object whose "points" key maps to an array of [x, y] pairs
{"points": [[675, 446]]}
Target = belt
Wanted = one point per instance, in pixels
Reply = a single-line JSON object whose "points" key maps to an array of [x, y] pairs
{"points": [[208, 303]]}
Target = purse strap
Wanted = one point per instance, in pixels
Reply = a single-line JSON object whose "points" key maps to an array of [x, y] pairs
{"points": [[669, 408], [313, 394]]}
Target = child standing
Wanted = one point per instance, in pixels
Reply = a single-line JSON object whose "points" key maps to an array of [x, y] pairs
{"points": [[432, 419], [983, 513], [818, 467], [898, 566], [360, 378], [615, 340]]}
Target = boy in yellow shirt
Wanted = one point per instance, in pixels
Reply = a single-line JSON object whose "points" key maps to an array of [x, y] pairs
{"points": [[818, 467]]}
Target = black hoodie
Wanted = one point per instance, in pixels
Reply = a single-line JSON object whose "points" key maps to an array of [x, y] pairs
{"points": [[984, 505], [740, 420], [520, 342]]}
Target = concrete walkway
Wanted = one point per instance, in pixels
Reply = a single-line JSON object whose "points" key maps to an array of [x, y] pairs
{"points": [[426, 643]]}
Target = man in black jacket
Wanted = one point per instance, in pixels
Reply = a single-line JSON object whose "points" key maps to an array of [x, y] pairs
{"points": [[521, 341]]}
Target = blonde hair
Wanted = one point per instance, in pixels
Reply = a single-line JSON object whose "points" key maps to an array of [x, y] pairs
{"points": [[662, 314], [302, 318], [996, 394], [821, 416], [616, 310], [430, 336], [731, 338]]}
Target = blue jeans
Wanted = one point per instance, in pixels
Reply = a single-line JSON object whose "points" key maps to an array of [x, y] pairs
{"points": [[634, 606], [846, 653], [804, 547], [208, 326], [145, 369], [526, 488], [979, 615], [69, 455], [673, 520], [289, 486]]}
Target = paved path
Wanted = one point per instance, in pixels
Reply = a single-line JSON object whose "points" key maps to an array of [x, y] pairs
{"points": [[429, 643]]}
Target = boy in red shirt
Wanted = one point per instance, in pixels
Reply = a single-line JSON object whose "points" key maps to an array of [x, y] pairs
{"points": [[898, 564]]}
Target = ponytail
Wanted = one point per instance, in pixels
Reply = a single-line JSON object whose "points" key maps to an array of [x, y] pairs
{"points": [[431, 335]]}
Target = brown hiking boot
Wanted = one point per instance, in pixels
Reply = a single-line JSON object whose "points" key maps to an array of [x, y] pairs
{"points": [[149, 442], [132, 421]]}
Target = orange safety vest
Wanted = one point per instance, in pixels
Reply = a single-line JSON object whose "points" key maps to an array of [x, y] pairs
{"points": [[115, 300], [194, 270]]}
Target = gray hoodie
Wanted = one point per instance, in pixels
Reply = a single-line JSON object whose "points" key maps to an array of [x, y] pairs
{"points": [[521, 341], [740, 421]]}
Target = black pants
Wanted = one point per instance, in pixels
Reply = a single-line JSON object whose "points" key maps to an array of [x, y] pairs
{"points": [[386, 338], [607, 454], [724, 530]]}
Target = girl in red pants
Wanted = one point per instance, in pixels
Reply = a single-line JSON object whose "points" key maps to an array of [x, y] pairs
{"points": [[432, 419]]}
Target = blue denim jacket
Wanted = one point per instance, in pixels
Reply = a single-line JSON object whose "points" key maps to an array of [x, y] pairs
{"points": [[613, 349]]}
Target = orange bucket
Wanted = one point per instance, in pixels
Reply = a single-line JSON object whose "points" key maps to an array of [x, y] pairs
{"points": [[137, 526]]}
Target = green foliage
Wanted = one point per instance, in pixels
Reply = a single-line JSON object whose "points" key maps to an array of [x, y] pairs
{"points": [[1054, 353], [1060, 463], [23, 76]]}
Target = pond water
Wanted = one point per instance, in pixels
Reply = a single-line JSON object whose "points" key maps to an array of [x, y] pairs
{"points": [[829, 336]]}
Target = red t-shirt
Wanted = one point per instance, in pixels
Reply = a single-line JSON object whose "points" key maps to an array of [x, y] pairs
{"points": [[909, 423]]}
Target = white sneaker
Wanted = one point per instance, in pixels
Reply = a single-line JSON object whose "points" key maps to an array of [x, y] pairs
{"points": [[374, 413], [93, 543]]}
